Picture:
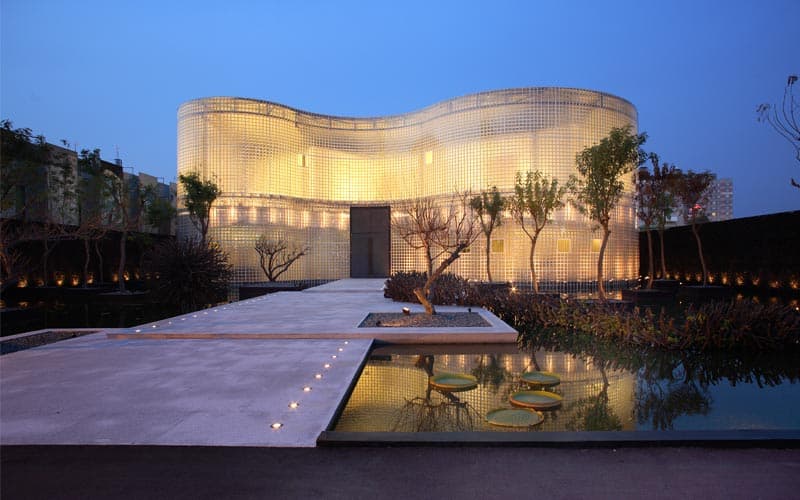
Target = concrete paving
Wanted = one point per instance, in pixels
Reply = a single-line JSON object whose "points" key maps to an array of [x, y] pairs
{"points": [[218, 377], [331, 311], [95, 390]]}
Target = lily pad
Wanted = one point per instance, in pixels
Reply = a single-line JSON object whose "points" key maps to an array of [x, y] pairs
{"points": [[544, 379], [453, 382], [514, 417], [538, 400]]}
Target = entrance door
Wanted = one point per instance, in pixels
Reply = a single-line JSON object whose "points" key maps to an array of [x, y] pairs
{"points": [[369, 242]]}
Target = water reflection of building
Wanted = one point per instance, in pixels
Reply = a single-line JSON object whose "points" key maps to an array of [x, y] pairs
{"points": [[380, 400]]}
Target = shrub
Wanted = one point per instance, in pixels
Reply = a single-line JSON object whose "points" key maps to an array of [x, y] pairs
{"points": [[447, 289], [189, 273]]}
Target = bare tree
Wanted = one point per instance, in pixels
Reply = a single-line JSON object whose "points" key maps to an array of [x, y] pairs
{"points": [[488, 205], [131, 202], [277, 255], [691, 192], [654, 200], [443, 233], [536, 197], [784, 118]]}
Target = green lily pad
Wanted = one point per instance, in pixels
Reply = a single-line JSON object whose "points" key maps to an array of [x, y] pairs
{"points": [[453, 382], [538, 400], [514, 417], [544, 379]]}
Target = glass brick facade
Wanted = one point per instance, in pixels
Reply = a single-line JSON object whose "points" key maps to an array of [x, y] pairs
{"points": [[293, 174]]}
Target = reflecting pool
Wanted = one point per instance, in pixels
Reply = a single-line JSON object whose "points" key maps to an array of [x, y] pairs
{"points": [[600, 390]]}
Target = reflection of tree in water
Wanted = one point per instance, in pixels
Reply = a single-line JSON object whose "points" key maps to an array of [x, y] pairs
{"points": [[593, 413], [437, 411], [490, 372], [661, 403], [670, 383]]}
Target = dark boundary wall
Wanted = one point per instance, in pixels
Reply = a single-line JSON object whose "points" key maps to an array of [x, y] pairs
{"points": [[67, 257], [761, 252]]}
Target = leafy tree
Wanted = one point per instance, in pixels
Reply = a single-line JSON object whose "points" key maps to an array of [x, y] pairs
{"points": [[188, 273], [690, 190], [200, 195], [488, 205], [277, 256], [22, 160], [654, 200], [536, 197], [441, 233], [600, 186], [783, 119], [38, 192]]}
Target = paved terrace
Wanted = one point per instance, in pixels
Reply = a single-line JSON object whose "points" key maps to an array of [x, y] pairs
{"points": [[218, 377], [330, 311]]}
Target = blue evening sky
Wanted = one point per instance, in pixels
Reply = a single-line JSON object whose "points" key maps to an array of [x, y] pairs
{"points": [[111, 74]]}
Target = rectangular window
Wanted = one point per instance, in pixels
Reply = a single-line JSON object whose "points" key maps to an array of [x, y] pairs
{"points": [[564, 245], [301, 160], [497, 246], [428, 157], [596, 243]]}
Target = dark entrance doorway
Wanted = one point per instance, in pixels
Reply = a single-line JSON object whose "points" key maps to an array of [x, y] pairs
{"points": [[369, 242]]}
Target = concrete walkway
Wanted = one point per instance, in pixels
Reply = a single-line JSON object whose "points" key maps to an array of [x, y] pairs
{"points": [[218, 377], [331, 311]]}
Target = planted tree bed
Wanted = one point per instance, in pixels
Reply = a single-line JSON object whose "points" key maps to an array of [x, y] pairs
{"points": [[422, 320]]}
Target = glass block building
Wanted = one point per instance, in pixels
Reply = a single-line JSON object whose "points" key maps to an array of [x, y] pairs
{"points": [[334, 183]]}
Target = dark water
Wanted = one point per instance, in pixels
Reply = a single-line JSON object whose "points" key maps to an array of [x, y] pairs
{"points": [[616, 391], [89, 313]]}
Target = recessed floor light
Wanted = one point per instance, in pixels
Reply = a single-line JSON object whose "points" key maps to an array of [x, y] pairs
{"points": [[276, 425]]}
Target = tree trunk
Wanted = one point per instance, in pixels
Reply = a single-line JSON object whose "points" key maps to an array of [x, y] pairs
{"points": [[45, 257], [423, 293], [100, 269], [700, 252], [534, 281], [422, 296], [650, 265], [122, 258], [488, 249], [601, 289], [86, 254], [663, 259]]}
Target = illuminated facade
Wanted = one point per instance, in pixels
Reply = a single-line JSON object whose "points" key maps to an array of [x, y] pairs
{"points": [[296, 175]]}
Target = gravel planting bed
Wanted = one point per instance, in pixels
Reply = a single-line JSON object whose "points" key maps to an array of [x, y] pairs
{"points": [[422, 320]]}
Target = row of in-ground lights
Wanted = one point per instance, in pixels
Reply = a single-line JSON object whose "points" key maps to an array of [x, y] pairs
{"points": [[205, 313], [307, 388]]}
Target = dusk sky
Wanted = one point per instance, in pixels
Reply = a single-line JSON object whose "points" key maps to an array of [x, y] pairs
{"points": [[104, 74]]}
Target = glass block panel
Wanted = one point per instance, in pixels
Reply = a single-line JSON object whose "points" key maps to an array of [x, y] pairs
{"points": [[295, 174]]}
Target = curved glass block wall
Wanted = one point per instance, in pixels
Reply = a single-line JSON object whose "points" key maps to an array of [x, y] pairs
{"points": [[295, 175]]}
